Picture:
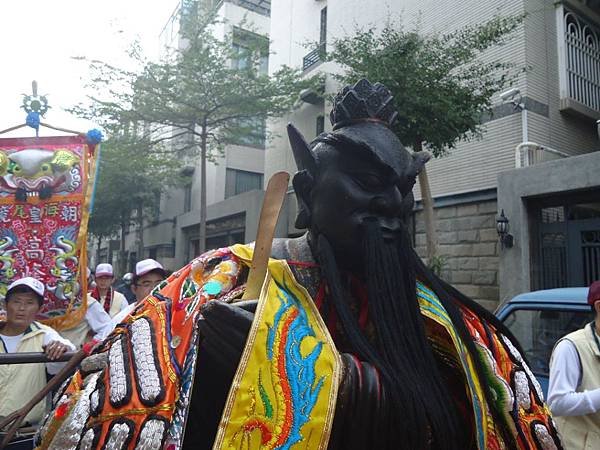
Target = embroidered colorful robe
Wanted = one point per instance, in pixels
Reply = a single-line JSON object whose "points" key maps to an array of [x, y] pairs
{"points": [[135, 391]]}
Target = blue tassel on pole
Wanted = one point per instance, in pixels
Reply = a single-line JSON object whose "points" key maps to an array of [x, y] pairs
{"points": [[94, 136], [33, 120]]}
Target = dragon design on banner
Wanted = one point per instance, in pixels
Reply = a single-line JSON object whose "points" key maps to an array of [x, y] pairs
{"points": [[43, 217]]}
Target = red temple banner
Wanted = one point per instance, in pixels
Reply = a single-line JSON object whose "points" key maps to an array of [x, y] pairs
{"points": [[45, 189]]}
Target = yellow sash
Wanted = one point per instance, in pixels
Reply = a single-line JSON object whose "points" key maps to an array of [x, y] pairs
{"points": [[285, 389]]}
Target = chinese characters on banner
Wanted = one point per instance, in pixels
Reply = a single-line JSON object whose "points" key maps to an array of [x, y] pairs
{"points": [[43, 185]]}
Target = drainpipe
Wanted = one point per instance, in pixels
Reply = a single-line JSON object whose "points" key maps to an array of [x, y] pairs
{"points": [[525, 146]]}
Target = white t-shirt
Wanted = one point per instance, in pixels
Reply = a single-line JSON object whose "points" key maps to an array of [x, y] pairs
{"points": [[11, 343], [98, 319]]}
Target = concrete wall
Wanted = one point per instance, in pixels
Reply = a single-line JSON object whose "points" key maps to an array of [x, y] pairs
{"points": [[515, 188], [468, 242]]}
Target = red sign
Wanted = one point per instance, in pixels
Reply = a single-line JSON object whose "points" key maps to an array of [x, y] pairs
{"points": [[43, 216]]}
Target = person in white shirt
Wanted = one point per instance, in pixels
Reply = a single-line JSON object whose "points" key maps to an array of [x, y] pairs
{"points": [[574, 387], [112, 301], [96, 321], [21, 333], [148, 273]]}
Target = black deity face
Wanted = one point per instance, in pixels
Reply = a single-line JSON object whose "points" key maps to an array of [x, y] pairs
{"points": [[353, 186]]}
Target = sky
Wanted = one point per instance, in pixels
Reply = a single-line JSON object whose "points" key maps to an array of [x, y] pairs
{"points": [[39, 38]]}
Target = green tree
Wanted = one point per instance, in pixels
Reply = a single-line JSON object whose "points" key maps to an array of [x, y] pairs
{"points": [[208, 94], [132, 170], [442, 86]]}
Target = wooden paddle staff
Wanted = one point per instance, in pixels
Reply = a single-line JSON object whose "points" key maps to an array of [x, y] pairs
{"points": [[272, 203]]}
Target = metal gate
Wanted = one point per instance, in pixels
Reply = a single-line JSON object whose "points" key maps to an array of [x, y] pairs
{"points": [[569, 245]]}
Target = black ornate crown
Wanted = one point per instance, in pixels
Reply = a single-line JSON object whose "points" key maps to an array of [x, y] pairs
{"points": [[363, 102]]}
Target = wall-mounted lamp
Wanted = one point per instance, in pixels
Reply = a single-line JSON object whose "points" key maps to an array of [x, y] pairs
{"points": [[502, 226]]}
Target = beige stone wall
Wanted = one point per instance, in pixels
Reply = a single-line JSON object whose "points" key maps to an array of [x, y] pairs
{"points": [[469, 243]]}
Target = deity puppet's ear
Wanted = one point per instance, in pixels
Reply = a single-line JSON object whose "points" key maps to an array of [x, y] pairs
{"points": [[304, 178], [305, 159], [303, 183], [417, 163], [419, 159]]}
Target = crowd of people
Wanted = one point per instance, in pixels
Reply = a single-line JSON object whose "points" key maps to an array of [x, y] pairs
{"points": [[574, 389], [21, 332]]}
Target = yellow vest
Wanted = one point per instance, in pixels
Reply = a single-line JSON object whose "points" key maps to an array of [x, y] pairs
{"points": [[20, 382], [583, 432]]}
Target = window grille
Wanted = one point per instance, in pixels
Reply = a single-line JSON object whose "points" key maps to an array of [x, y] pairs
{"points": [[579, 58]]}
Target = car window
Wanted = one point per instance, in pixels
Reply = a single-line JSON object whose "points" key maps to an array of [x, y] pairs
{"points": [[538, 330]]}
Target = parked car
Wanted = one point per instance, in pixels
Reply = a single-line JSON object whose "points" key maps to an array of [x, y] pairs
{"points": [[538, 319]]}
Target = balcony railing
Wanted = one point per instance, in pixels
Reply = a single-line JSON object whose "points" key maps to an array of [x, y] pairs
{"points": [[262, 7], [579, 63], [529, 153], [313, 57]]}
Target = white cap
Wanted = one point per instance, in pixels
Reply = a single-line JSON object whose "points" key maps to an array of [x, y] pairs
{"points": [[147, 265], [104, 270], [35, 285]]}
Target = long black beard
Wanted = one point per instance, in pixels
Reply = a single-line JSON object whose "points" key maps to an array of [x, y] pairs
{"points": [[420, 412]]}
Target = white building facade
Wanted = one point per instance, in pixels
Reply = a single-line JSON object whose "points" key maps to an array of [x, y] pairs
{"points": [[234, 179]]}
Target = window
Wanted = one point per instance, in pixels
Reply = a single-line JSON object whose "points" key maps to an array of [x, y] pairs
{"points": [[578, 62], [250, 131], [187, 197], [250, 49], [538, 330], [189, 15], [263, 64], [241, 58], [262, 7], [156, 208], [225, 239], [238, 181], [158, 252], [193, 248]]}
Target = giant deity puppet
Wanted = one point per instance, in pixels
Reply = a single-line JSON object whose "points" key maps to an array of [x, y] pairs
{"points": [[352, 344]]}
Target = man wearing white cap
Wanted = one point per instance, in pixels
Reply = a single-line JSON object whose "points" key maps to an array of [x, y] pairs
{"points": [[97, 321], [148, 273], [112, 301], [21, 333]]}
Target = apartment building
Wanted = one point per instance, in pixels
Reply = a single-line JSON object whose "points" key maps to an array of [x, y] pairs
{"points": [[553, 110], [234, 178]]}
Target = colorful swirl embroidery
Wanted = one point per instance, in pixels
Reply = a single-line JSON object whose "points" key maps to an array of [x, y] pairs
{"points": [[292, 372]]}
